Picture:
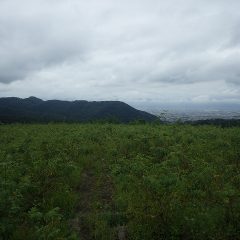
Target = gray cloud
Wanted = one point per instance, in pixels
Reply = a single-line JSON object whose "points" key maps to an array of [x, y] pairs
{"points": [[128, 50], [34, 37]]}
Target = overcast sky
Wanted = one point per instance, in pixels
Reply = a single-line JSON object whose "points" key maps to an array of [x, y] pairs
{"points": [[130, 50]]}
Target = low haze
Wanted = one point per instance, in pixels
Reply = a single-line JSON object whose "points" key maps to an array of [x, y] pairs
{"points": [[134, 51]]}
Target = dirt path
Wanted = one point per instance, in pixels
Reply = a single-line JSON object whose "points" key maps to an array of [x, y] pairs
{"points": [[86, 192], [95, 199]]}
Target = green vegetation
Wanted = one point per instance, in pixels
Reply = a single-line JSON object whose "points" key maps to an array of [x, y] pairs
{"points": [[95, 181]]}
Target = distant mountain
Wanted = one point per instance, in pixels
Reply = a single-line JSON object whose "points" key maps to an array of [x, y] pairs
{"points": [[33, 109]]}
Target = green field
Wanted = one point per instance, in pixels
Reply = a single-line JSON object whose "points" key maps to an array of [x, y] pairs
{"points": [[98, 181]]}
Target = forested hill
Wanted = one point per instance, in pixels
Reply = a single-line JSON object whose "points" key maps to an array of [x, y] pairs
{"points": [[33, 109]]}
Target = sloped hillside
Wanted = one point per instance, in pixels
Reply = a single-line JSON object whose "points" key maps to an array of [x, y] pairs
{"points": [[33, 109]]}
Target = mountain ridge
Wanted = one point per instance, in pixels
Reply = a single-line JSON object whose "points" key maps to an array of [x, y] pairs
{"points": [[32, 109]]}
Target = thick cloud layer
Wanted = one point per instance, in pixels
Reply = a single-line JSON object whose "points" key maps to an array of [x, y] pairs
{"points": [[176, 50]]}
